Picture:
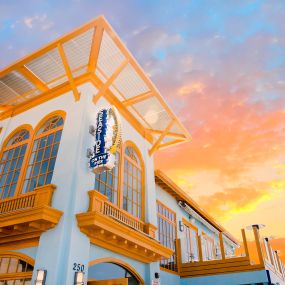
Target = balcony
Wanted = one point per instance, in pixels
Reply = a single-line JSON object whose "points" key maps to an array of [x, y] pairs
{"points": [[25, 217], [266, 259], [115, 229]]}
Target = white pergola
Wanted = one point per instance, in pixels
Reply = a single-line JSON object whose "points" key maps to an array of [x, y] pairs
{"points": [[95, 53]]}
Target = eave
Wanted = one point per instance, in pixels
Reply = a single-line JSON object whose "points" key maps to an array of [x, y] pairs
{"points": [[93, 53]]}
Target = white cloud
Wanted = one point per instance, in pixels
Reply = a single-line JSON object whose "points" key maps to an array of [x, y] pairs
{"points": [[41, 21]]}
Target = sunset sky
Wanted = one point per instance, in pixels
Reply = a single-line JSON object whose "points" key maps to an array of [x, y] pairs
{"points": [[221, 67]]}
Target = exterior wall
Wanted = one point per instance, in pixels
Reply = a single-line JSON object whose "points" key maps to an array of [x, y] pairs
{"points": [[243, 278], [171, 202], [63, 245], [169, 278]]}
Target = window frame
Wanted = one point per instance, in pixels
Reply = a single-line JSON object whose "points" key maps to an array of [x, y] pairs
{"points": [[17, 275], [141, 167], [121, 164], [189, 242], [174, 233], [36, 136], [5, 147], [208, 239]]}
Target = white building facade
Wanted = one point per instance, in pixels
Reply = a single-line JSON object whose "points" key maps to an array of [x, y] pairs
{"points": [[62, 224]]}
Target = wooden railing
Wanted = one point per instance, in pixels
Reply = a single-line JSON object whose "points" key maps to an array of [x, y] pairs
{"points": [[124, 217], [268, 259], [99, 203], [39, 197], [272, 260], [16, 203]]}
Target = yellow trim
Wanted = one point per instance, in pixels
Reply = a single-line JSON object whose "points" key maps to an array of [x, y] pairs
{"points": [[141, 167], [18, 255], [175, 191], [27, 141], [68, 72], [99, 26], [26, 160], [118, 262], [17, 275], [169, 271]]}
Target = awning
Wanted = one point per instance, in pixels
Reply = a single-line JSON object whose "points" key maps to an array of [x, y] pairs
{"points": [[93, 53]]}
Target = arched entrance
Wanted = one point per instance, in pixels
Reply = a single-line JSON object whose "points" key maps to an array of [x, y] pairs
{"points": [[16, 269], [111, 271]]}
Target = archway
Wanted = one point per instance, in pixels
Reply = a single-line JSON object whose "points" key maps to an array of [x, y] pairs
{"points": [[112, 271]]}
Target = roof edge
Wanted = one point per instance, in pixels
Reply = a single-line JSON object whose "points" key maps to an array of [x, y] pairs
{"points": [[185, 197]]}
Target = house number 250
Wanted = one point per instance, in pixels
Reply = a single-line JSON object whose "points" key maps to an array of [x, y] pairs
{"points": [[78, 267]]}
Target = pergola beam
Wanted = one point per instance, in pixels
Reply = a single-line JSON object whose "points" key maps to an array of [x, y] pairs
{"points": [[68, 72], [33, 78], [169, 134], [138, 98], [95, 48], [5, 107], [165, 145], [109, 82], [161, 137]]}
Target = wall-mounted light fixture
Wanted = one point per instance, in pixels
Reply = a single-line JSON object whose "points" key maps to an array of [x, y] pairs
{"points": [[79, 278], [41, 277], [258, 226], [181, 226]]}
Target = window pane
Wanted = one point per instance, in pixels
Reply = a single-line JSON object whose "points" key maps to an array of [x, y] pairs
{"points": [[43, 157], [107, 182]]}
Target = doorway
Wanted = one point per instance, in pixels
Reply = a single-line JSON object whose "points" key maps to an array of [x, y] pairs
{"points": [[112, 272]]}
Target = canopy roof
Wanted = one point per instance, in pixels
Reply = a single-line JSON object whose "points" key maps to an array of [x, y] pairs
{"points": [[93, 53]]}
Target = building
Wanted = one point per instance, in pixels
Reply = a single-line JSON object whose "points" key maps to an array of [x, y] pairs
{"points": [[61, 223]]}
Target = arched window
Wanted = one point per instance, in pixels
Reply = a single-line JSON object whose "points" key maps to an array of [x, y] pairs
{"points": [[11, 264], [11, 162], [43, 154], [107, 182], [132, 183]]}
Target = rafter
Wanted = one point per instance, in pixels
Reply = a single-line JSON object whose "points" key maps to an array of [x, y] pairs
{"points": [[109, 82], [33, 78], [137, 99], [143, 76], [68, 72], [5, 107], [165, 145], [95, 48], [161, 137], [169, 134]]}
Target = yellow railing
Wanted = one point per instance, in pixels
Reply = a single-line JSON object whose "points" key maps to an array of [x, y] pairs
{"points": [[272, 260], [124, 217], [41, 196], [99, 203], [267, 258], [16, 203]]}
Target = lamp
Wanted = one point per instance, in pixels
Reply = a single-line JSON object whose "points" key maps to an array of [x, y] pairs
{"points": [[41, 277], [181, 226], [79, 278], [258, 226]]}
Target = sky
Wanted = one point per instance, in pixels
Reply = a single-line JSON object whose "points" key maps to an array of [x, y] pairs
{"points": [[220, 65]]}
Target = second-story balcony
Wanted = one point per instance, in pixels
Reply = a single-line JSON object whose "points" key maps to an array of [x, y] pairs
{"points": [[23, 218], [264, 259], [117, 230]]}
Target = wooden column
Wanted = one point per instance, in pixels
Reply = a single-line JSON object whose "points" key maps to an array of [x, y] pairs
{"points": [[96, 201], [222, 245], [200, 249], [258, 245], [178, 254], [244, 240]]}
